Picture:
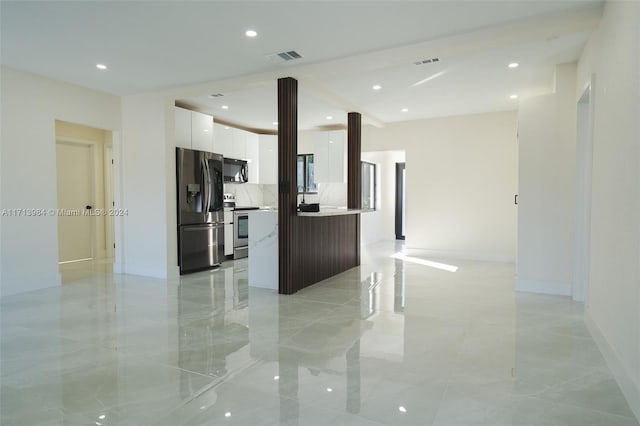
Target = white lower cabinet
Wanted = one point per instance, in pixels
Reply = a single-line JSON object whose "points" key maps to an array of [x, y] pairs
{"points": [[228, 233]]}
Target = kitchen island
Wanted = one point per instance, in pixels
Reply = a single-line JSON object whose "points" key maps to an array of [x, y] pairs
{"points": [[263, 248]]}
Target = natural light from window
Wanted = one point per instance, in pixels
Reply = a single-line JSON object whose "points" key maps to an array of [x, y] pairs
{"points": [[443, 266]]}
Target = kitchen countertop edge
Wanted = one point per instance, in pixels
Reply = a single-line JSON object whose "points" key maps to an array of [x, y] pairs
{"points": [[334, 212]]}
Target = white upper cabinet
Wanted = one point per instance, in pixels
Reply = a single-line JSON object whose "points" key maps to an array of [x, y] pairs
{"points": [[239, 147], [201, 131], [329, 156], [222, 141], [182, 127], [320, 156], [193, 130], [337, 156], [268, 152], [252, 155]]}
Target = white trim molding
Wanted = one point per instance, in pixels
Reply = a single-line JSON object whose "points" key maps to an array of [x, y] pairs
{"points": [[630, 389], [544, 287]]}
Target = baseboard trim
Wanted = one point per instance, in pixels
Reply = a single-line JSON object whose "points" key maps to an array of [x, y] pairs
{"points": [[630, 390], [118, 268], [144, 271], [544, 287], [29, 284], [461, 255]]}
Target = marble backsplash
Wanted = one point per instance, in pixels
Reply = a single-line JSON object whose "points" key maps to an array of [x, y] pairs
{"points": [[250, 194]]}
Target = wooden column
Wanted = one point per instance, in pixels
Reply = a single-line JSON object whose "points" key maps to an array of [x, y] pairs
{"points": [[354, 171], [287, 176]]}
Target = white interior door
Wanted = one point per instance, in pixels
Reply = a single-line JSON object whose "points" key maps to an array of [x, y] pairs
{"points": [[75, 184]]}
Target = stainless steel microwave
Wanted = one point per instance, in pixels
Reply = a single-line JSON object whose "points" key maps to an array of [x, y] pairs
{"points": [[236, 171]]}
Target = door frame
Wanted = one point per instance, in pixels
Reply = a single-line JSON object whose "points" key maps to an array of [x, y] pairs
{"points": [[400, 190], [109, 224], [584, 168]]}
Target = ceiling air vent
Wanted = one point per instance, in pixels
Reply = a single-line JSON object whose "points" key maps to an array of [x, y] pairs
{"points": [[287, 56], [216, 95], [427, 61]]}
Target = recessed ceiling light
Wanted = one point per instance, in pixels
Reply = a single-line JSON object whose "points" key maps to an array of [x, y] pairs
{"points": [[404, 109], [101, 66], [225, 107], [275, 123], [250, 33], [514, 65], [402, 409], [329, 117], [376, 87], [227, 127], [227, 414], [513, 96]]}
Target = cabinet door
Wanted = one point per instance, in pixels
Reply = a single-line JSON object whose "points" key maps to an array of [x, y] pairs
{"points": [[321, 157], [253, 157], [268, 148], [337, 158], [201, 131], [222, 140], [182, 127], [239, 150], [228, 233]]}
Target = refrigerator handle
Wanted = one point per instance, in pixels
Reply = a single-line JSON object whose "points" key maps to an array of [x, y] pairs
{"points": [[203, 178], [207, 174]]}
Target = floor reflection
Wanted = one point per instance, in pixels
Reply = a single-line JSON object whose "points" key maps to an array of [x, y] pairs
{"points": [[388, 343]]}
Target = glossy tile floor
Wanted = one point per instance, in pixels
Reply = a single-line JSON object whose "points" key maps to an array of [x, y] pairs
{"points": [[390, 343]]}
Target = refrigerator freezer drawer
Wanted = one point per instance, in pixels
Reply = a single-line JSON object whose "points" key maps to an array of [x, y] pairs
{"points": [[200, 247]]}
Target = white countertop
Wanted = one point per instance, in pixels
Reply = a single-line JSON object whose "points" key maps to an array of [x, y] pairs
{"points": [[334, 211]]}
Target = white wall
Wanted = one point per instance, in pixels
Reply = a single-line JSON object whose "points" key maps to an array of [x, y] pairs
{"points": [[546, 201], [461, 180], [148, 172], [380, 225], [613, 310], [29, 107]]}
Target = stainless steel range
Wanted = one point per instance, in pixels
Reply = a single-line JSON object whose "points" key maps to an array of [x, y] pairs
{"points": [[241, 231]]}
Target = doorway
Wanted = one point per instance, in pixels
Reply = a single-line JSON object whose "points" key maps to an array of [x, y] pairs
{"points": [[401, 214], [85, 196], [584, 165]]}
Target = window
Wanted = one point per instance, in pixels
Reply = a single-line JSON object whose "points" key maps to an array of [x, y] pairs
{"points": [[368, 185], [306, 177]]}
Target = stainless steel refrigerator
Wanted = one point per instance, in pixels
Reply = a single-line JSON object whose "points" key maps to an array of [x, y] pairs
{"points": [[200, 210]]}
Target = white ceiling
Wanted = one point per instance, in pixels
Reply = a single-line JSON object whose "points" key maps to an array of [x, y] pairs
{"points": [[347, 47]]}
